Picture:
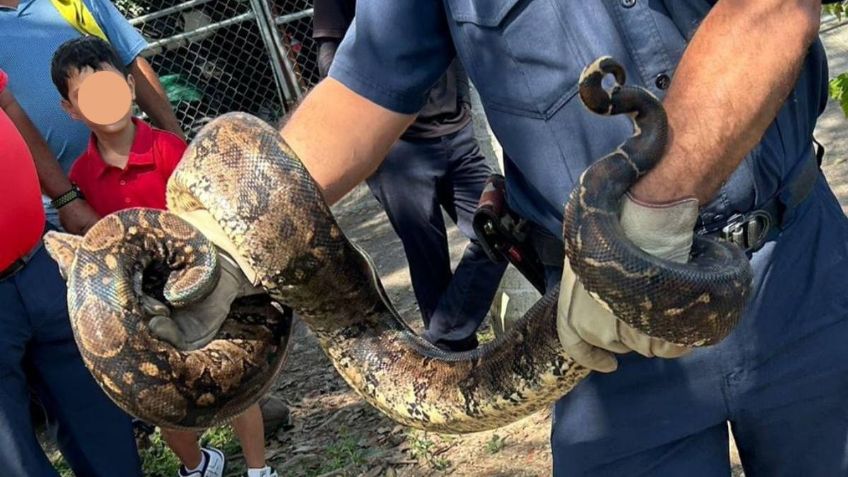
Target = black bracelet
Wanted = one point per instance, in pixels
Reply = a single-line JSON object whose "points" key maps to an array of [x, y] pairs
{"points": [[67, 197]]}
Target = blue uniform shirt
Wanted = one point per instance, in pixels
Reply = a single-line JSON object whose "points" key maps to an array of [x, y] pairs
{"points": [[525, 57], [29, 35]]}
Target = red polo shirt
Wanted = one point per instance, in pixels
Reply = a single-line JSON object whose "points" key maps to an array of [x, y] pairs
{"points": [[22, 215], [153, 156]]}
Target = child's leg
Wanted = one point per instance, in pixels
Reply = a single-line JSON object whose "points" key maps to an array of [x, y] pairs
{"points": [[251, 434], [185, 446]]}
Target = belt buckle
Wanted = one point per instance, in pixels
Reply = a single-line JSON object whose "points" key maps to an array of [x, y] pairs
{"points": [[749, 230]]}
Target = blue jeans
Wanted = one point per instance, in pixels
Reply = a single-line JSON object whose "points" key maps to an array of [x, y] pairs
{"points": [[415, 182], [780, 379], [38, 353]]}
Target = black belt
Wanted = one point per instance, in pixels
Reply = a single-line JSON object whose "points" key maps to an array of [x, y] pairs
{"points": [[20, 263], [749, 230]]}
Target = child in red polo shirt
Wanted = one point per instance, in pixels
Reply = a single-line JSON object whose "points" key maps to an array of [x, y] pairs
{"points": [[127, 164]]}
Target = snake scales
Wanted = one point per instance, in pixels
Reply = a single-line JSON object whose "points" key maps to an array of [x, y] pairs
{"points": [[240, 170]]}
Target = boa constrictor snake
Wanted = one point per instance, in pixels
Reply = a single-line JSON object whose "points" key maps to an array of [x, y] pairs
{"points": [[241, 171]]}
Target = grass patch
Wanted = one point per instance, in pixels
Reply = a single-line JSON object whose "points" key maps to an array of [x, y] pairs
{"points": [[342, 453], [495, 444], [158, 460], [423, 448]]}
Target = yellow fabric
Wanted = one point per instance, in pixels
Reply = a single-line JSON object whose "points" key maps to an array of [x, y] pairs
{"points": [[78, 16]]}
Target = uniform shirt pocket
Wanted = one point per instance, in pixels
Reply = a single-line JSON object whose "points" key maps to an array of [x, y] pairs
{"points": [[519, 53]]}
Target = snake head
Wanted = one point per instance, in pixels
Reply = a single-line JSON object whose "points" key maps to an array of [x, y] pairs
{"points": [[63, 248]]}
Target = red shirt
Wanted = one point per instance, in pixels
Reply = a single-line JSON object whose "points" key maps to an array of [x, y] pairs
{"points": [[153, 157], [22, 215]]}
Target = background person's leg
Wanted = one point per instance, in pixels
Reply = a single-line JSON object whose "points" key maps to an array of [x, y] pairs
{"points": [[405, 185], [467, 299], [95, 436], [20, 453]]}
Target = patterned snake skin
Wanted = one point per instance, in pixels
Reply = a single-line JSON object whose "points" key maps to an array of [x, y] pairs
{"points": [[240, 170]]}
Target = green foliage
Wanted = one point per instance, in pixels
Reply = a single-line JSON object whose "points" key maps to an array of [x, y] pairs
{"points": [[839, 85], [158, 460], [222, 438], [342, 453], [837, 9], [421, 447], [839, 91], [495, 444]]}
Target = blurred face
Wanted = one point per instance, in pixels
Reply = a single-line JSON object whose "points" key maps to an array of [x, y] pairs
{"points": [[100, 99]]}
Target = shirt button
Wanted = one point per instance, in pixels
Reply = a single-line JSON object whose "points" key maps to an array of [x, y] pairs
{"points": [[663, 81], [127, 200], [628, 3], [122, 182]]}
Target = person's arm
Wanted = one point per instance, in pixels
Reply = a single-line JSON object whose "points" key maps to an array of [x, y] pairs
{"points": [[77, 216], [339, 161], [344, 128], [151, 97], [736, 73], [734, 76]]}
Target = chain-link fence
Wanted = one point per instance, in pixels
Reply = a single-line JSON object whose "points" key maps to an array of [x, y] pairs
{"points": [[217, 56], [293, 20]]}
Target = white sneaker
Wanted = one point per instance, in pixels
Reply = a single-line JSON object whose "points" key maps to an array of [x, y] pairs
{"points": [[213, 465], [264, 472]]}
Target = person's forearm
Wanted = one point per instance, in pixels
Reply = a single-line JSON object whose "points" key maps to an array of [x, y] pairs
{"points": [[736, 73], [341, 137], [151, 97], [52, 178]]}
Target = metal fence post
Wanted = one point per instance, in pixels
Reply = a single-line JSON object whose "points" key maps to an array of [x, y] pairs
{"points": [[283, 74], [218, 56]]}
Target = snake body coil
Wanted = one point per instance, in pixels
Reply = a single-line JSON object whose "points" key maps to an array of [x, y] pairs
{"points": [[241, 172]]}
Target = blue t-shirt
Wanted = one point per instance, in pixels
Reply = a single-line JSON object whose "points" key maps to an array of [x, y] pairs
{"points": [[29, 35]]}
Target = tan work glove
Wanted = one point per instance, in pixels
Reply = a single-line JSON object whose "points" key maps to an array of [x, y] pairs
{"points": [[194, 326], [590, 333]]}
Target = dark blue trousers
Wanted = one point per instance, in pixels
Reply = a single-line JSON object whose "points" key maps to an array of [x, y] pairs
{"points": [[38, 353], [415, 182], [780, 379]]}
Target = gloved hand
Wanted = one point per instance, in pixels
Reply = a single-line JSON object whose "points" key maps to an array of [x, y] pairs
{"points": [[194, 326], [589, 332]]}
